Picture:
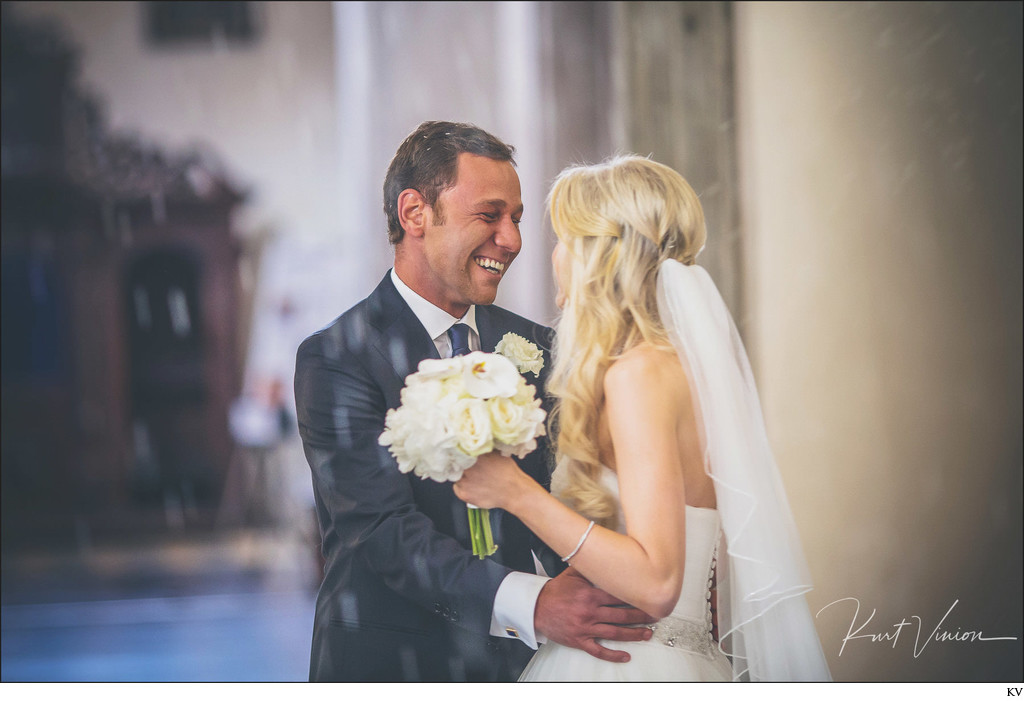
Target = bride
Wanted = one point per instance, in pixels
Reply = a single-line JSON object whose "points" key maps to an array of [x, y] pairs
{"points": [[668, 494]]}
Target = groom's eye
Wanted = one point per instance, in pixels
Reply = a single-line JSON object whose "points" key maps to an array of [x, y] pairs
{"points": [[489, 216]]}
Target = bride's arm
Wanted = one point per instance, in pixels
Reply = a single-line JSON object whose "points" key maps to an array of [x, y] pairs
{"points": [[646, 406]]}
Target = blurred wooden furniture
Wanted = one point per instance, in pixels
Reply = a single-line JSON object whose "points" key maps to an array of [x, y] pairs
{"points": [[120, 304]]}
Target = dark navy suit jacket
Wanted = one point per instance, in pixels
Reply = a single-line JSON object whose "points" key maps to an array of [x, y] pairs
{"points": [[403, 598]]}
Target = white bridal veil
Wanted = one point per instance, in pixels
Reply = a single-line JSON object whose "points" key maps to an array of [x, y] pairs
{"points": [[763, 619]]}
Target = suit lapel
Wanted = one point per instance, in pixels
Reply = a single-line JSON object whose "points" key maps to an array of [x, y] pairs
{"points": [[489, 335], [402, 341]]}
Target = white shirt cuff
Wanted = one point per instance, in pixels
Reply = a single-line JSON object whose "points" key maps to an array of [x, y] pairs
{"points": [[514, 605]]}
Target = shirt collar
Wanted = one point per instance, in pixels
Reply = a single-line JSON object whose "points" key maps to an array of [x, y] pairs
{"points": [[434, 319]]}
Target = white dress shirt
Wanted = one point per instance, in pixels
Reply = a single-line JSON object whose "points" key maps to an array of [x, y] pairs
{"points": [[516, 598]]}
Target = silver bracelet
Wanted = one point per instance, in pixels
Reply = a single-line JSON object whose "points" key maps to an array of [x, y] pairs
{"points": [[579, 544]]}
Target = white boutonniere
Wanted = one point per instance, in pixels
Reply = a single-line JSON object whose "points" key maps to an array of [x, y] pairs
{"points": [[526, 356]]}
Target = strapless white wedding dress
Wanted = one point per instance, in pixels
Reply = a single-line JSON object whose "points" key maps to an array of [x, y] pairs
{"points": [[681, 648]]}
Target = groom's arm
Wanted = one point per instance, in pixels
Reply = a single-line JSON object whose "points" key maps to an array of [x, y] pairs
{"points": [[370, 508]]}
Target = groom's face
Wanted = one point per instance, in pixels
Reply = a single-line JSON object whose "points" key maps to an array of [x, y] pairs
{"points": [[472, 234]]}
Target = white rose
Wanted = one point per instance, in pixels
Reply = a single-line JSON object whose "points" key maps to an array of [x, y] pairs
{"points": [[528, 440], [508, 420], [516, 431], [486, 375], [470, 422], [526, 356]]}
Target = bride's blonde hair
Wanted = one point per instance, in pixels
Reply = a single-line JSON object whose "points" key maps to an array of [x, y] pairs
{"points": [[618, 221]]}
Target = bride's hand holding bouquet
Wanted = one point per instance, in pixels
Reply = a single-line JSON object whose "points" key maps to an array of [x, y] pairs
{"points": [[494, 482]]}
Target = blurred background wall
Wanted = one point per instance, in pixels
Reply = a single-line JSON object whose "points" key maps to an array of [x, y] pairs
{"points": [[881, 177], [860, 165]]}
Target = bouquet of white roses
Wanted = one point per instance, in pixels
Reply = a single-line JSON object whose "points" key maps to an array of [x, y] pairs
{"points": [[454, 411]]}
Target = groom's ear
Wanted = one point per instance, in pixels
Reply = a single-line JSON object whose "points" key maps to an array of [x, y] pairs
{"points": [[412, 212]]}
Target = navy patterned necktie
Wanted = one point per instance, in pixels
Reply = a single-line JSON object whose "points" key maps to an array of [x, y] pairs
{"points": [[459, 336]]}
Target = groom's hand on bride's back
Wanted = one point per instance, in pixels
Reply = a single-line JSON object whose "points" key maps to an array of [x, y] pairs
{"points": [[572, 611]]}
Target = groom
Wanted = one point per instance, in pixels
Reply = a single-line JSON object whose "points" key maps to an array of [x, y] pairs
{"points": [[403, 597]]}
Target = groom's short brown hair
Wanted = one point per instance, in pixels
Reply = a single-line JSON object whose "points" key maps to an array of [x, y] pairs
{"points": [[428, 159]]}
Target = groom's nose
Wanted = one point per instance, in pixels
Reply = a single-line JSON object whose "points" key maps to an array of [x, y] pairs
{"points": [[507, 236]]}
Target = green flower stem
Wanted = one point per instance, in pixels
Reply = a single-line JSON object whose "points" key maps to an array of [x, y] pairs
{"points": [[474, 532], [489, 547], [480, 532], [481, 548]]}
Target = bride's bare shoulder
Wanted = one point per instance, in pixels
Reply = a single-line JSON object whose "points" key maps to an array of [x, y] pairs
{"points": [[647, 368]]}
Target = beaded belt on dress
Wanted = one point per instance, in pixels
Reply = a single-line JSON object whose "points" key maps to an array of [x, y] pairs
{"points": [[685, 634]]}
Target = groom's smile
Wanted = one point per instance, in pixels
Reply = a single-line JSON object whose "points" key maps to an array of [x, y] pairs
{"points": [[490, 264]]}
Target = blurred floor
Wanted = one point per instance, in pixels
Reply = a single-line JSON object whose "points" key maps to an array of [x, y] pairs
{"points": [[235, 607]]}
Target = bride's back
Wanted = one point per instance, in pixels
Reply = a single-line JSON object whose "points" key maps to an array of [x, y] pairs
{"points": [[673, 395]]}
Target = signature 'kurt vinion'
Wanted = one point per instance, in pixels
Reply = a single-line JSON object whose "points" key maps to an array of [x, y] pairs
{"points": [[937, 634]]}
